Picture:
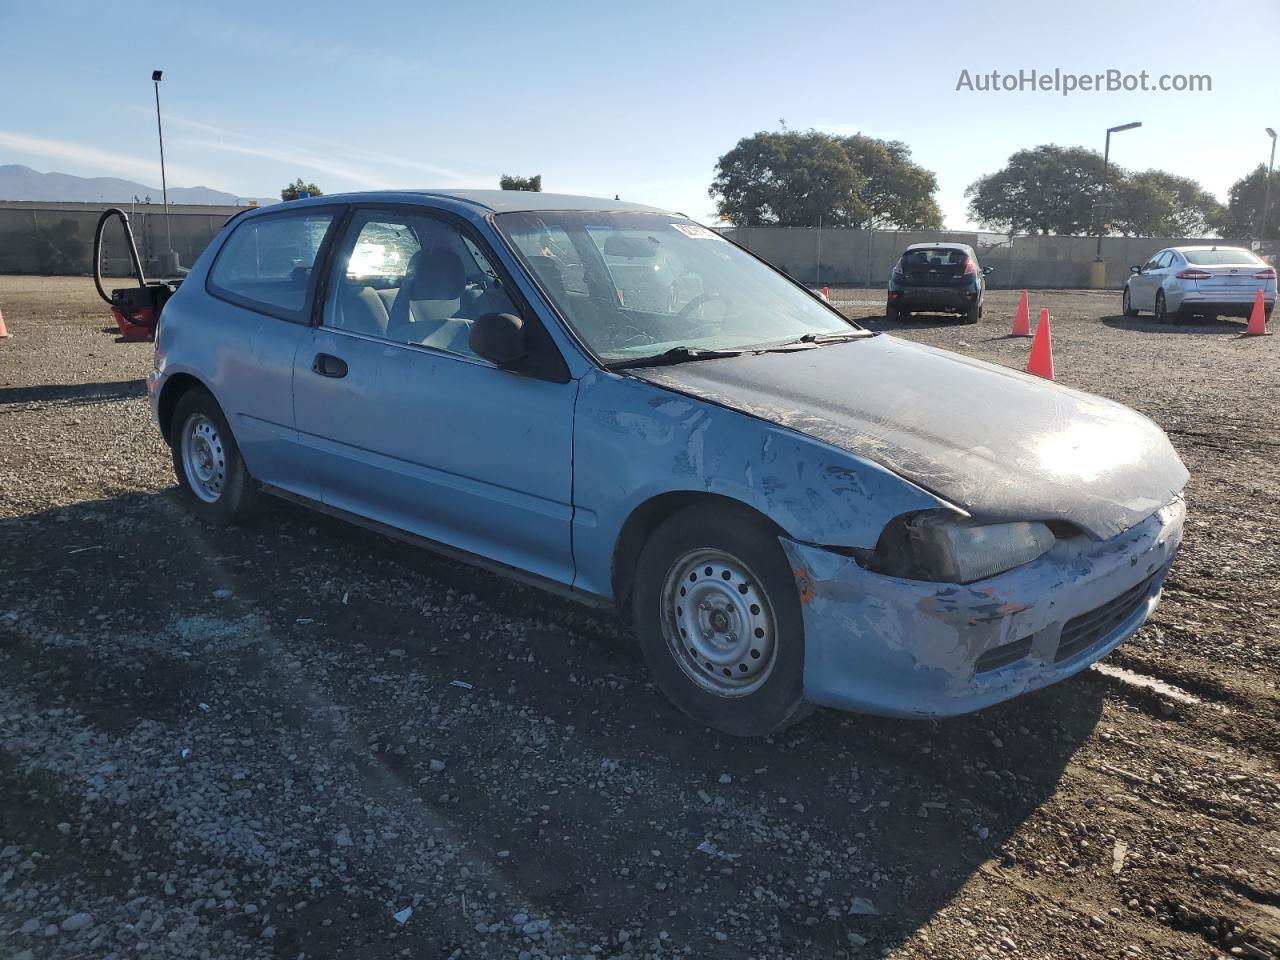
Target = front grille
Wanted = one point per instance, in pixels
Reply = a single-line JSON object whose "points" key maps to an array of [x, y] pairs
{"points": [[1003, 655], [1082, 632]]}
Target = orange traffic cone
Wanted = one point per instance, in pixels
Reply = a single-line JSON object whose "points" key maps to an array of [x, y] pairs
{"points": [[1041, 360], [1257, 320], [3, 332], [1022, 319]]}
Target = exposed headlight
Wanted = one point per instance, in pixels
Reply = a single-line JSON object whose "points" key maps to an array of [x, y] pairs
{"points": [[927, 546]]}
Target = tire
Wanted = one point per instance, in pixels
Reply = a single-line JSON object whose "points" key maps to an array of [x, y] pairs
{"points": [[904, 315], [891, 313], [212, 476], [1161, 313], [1125, 304], [972, 314], [736, 663]]}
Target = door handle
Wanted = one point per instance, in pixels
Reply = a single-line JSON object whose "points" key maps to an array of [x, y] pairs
{"points": [[327, 365]]}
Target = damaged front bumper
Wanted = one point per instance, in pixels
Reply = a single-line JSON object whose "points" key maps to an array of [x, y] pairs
{"points": [[909, 648]]}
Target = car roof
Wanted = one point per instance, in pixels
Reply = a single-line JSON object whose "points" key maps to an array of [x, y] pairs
{"points": [[1216, 246], [941, 246], [495, 201]]}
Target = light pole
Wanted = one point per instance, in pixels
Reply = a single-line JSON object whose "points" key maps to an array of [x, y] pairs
{"points": [[1266, 196], [1106, 158], [156, 77]]}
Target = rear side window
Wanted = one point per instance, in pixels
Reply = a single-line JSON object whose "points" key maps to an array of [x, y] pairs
{"points": [[266, 263]]}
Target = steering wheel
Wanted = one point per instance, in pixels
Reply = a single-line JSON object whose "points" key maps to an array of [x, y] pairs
{"points": [[702, 298], [702, 326]]}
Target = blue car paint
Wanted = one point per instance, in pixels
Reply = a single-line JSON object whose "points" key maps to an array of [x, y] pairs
{"points": [[873, 643], [635, 442], [906, 648]]}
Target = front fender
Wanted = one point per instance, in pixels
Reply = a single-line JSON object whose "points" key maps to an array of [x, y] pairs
{"points": [[634, 441]]}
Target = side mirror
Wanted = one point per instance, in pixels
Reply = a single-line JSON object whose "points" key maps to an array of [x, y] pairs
{"points": [[987, 271], [1135, 269], [499, 338]]}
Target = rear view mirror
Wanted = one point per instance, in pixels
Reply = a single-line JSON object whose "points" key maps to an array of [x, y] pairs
{"points": [[632, 247], [987, 271], [499, 338], [1135, 269]]}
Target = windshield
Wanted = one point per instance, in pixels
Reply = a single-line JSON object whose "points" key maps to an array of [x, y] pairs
{"points": [[640, 284], [1213, 258]]}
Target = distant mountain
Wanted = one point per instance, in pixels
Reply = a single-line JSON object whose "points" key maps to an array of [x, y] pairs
{"points": [[22, 183]]}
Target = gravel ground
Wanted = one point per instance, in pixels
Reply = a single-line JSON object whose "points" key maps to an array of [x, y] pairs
{"points": [[300, 739]]}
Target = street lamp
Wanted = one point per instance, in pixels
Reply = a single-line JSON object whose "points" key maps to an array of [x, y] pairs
{"points": [[156, 77], [1266, 196], [1106, 157]]}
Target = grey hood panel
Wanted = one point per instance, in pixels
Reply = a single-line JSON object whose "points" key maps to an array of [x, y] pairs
{"points": [[999, 443]]}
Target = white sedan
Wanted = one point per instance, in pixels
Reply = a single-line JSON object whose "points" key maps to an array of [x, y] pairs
{"points": [[1178, 282]]}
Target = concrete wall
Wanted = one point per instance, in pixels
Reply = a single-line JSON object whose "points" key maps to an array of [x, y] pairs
{"points": [[844, 256], [58, 237]]}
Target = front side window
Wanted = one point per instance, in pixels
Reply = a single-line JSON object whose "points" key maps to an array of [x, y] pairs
{"points": [[411, 279], [637, 284], [267, 261]]}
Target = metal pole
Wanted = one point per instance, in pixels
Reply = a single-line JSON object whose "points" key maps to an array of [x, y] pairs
{"points": [[1106, 158], [819, 281], [164, 184], [1266, 201], [871, 239]]}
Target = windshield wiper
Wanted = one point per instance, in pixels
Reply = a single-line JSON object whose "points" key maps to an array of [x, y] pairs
{"points": [[821, 338], [672, 356], [810, 340]]}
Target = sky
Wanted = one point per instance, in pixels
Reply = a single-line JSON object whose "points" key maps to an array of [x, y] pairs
{"points": [[637, 100]]}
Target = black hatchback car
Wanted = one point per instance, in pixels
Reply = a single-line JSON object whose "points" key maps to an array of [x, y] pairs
{"points": [[937, 278]]}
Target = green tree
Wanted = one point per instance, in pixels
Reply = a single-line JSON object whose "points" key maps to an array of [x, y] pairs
{"points": [[293, 190], [794, 178], [508, 182], [1159, 204], [897, 191], [1242, 219], [1049, 189]]}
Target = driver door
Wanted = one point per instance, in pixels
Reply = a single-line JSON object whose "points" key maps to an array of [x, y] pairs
{"points": [[405, 425], [1148, 281]]}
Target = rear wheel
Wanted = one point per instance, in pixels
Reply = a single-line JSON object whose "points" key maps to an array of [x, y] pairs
{"points": [[1161, 312], [891, 313], [717, 615], [211, 473], [972, 314], [1127, 305]]}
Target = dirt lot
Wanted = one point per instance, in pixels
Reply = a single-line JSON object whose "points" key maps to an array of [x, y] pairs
{"points": [[251, 742]]}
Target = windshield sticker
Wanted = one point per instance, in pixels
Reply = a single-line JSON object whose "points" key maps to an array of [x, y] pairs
{"points": [[696, 232]]}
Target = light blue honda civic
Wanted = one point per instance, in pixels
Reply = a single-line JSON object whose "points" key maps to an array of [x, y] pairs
{"points": [[615, 403]]}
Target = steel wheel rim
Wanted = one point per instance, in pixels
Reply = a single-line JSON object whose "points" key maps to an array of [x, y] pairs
{"points": [[720, 627], [204, 459]]}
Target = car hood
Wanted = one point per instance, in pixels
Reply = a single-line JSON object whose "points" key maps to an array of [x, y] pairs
{"points": [[1001, 444]]}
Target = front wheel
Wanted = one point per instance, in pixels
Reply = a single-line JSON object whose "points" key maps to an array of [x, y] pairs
{"points": [[717, 614], [211, 473], [1127, 304]]}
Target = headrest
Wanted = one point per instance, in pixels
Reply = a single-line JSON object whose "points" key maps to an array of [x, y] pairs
{"points": [[436, 275]]}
